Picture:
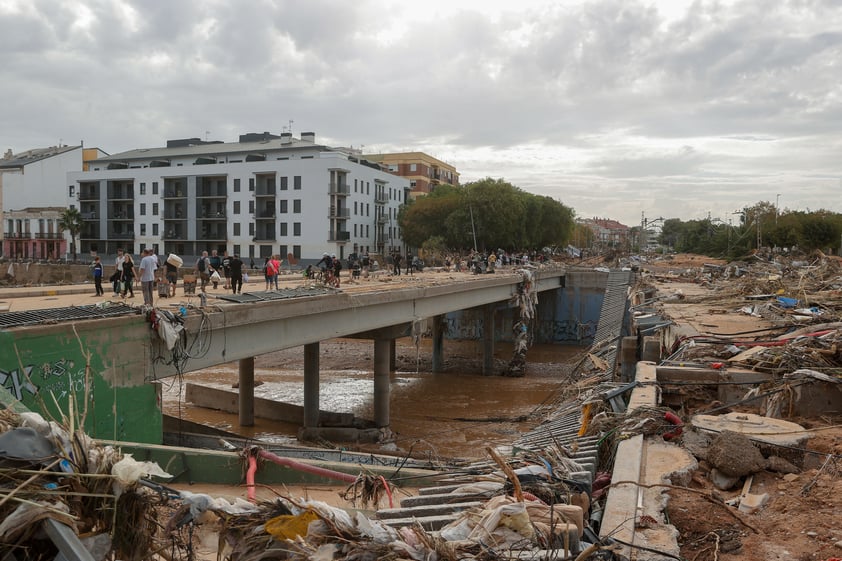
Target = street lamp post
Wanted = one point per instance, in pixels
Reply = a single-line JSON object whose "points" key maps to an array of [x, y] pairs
{"points": [[777, 200]]}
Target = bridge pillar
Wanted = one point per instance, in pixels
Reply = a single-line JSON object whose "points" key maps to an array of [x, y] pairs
{"points": [[393, 354], [382, 354], [311, 385], [438, 343], [246, 392], [488, 340]]}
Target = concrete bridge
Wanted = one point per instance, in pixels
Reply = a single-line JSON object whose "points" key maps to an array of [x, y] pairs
{"points": [[121, 357]]}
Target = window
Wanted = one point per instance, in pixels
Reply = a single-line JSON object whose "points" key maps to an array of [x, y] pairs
{"points": [[236, 228], [143, 188], [154, 209], [355, 230], [251, 184], [355, 186], [284, 183], [413, 167], [393, 168], [367, 209], [236, 184], [296, 206], [251, 207], [296, 182], [236, 207], [296, 251], [251, 228], [284, 208], [367, 188], [143, 229], [154, 187], [355, 208], [155, 229], [366, 230], [143, 209], [71, 189], [284, 251], [237, 249], [284, 229], [296, 228]]}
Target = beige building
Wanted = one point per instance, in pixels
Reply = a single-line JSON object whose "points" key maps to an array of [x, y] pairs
{"points": [[423, 171]]}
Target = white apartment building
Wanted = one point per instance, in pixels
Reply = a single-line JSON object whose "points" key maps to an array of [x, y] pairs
{"points": [[263, 195]]}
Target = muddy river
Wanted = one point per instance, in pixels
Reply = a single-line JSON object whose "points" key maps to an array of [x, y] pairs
{"points": [[453, 414]]}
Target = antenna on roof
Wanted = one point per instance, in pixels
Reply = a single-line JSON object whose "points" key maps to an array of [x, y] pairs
{"points": [[288, 128], [207, 135]]}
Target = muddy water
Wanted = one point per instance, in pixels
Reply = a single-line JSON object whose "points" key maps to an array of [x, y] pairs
{"points": [[445, 415]]}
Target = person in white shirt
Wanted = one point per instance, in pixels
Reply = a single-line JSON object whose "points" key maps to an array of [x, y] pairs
{"points": [[148, 266]]}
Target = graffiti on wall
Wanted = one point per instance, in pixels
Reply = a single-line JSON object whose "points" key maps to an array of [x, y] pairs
{"points": [[59, 378]]}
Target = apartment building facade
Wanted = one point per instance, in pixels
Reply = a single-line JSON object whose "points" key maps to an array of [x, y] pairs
{"points": [[423, 171], [263, 195]]}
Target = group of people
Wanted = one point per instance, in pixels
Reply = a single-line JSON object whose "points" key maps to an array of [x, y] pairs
{"points": [[125, 273], [227, 269]]}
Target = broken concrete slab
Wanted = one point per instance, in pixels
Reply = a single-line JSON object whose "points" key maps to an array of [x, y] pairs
{"points": [[735, 455], [776, 432]]}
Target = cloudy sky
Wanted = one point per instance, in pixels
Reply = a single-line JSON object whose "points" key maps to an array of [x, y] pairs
{"points": [[671, 108]]}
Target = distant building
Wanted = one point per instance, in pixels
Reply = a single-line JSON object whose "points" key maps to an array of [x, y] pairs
{"points": [[33, 195], [608, 233], [424, 172], [265, 194]]}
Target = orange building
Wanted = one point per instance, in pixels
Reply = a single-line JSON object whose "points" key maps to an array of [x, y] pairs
{"points": [[423, 171]]}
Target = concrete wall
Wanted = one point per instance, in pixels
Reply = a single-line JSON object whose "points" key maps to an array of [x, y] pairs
{"points": [[568, 315], [42, 366]]}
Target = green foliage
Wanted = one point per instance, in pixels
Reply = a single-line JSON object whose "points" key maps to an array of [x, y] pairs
{"points": [[493, 212], [805, 230]]}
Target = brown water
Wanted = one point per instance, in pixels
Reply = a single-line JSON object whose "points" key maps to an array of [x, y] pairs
{"points": [[451, 414]]}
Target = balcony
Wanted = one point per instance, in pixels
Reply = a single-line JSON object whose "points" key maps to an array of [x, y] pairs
{"points": [[381, 199], [89, 195], [17, 235], [177, 193], [338, 236], [383, 219], [174, 235], [265, 215], [342, 213], [49, 235], [212, 233], [339, 189], [120, 235]]}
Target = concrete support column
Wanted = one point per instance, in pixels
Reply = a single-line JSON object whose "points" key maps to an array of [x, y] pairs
{"points": [[246, 407], [311, 385], [382, 353], [488, 340], [438, 343], [628, 358], [393, 355]]}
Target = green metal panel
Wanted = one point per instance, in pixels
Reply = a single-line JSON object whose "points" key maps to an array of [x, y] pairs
{"points": [[45, 369]]}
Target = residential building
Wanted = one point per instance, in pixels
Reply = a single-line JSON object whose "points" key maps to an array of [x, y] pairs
{"points": [[423, 171], [608, 233], [265, 194], [33, 195]]}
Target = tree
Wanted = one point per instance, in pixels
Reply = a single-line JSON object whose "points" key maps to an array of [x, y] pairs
{"points": [[71, 221]]}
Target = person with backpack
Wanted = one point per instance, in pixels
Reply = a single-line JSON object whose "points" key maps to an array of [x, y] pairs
{"points": [[268, 272], [203, 268], [337, 269], [97, 270]]}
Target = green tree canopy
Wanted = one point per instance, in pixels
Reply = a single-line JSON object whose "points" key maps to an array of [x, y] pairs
{"points": [[499, 214]]}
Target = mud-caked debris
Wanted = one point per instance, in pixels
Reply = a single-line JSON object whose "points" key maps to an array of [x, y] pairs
{"points": [[735, 455]]}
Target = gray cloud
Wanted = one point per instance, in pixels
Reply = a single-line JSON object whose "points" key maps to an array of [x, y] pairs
{"points": [[603, 104]]}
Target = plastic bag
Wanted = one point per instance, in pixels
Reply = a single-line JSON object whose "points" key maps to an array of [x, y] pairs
{"points": [[245, 277], [215, 277]]}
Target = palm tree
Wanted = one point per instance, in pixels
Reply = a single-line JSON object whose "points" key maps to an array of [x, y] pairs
{"points": [[71, 221]]}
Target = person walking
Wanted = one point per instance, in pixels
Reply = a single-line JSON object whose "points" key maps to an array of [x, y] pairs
{"points": [[268, 273], [148, 266], [172, 278], [118, 272], [203, 269], [97, 270], [235, 271], [127, 276], [397, 268]]}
